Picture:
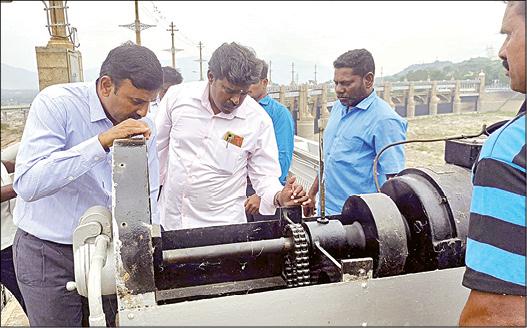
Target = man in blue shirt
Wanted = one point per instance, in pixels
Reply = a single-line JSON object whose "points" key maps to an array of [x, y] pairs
{"points": [[284, 132], [64, 167], [359, 126], [496, 246]]}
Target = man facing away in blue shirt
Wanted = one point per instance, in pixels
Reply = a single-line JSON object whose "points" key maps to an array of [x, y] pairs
{"points": [[359, 126], [284, 132], [64, 167]]}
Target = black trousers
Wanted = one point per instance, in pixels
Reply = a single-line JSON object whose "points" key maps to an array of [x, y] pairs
{"points": [[42, 269], [8, 277]]}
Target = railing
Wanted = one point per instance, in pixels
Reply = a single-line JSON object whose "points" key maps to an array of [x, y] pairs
{"points": [[14, 115], [305, 164]]}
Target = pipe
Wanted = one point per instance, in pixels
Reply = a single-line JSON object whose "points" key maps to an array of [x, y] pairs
{"points": [[376, 159], [97, 317], [249, 248]]}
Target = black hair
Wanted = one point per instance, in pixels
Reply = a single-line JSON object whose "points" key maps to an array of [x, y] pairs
{"points": [[171, 75], [136, 63], [236, 63], [360, 60], [265, 70]]}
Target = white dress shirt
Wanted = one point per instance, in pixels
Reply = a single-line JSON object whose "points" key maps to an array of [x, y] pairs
{"points": [[204, 178]]}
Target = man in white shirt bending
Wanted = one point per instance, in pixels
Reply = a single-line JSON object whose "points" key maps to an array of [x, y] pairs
{"points": [[210, 137]]}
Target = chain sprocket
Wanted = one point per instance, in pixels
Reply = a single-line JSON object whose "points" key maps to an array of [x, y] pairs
{"points": [[296, 263]]}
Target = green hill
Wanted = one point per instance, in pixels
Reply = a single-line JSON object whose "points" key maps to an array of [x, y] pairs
{"points": [[446, 70]]}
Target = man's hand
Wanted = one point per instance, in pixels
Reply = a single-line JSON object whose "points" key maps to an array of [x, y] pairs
{"points": [[125, 129], [9, 166], [7, 193], [292, 194], [310, 209], [252, 204]]}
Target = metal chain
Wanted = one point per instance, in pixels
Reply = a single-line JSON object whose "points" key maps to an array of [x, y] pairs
{"points": [[296, 263]]}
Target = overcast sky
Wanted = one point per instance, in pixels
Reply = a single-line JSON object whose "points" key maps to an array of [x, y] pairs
{"points": [[397, 33]]}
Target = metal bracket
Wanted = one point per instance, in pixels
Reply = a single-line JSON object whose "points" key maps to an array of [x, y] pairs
{"points": [[132, 224], [95, 221], [357, 269]]}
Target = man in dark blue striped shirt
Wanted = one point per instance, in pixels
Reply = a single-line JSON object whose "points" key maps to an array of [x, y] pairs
{"points": [[496, 247]]}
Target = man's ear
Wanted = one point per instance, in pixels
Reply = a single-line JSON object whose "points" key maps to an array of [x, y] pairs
{"points": [[265, 82], [369, 79], [106, 85], [210, 76]]}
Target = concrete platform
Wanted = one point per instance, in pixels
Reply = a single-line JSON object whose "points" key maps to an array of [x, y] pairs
{"points": [[13, 315]]}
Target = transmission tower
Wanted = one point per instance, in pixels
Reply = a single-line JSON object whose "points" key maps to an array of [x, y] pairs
{"points": [[200, 60], [137, 26], [173, 50]]}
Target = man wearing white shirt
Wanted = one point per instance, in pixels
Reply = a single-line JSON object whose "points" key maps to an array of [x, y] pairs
{"points": [[210, 137]]}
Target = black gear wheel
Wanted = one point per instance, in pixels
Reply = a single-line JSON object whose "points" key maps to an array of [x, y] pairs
{"points": [[296, 264]]}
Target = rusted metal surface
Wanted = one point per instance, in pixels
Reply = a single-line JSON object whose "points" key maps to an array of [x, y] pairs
{"points": [[224, 288], [433, 298], [218, 270], [132, 230]]}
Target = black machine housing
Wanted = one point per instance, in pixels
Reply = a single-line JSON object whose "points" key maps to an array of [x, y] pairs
{"points": [[418, 222]]}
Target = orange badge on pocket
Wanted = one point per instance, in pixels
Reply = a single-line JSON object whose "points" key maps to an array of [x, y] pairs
{"points": [[232, 138]]}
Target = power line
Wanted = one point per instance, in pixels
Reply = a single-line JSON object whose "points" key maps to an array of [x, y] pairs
{"points": [[160, 15], [152, 16]]}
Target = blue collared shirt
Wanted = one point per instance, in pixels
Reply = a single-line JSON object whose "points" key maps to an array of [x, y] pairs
{"points": [[352, 139], [152, 109], [284, 131], [61, 168]]}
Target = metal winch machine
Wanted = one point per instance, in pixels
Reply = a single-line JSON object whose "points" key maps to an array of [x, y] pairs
{"points": [[390, 258]]}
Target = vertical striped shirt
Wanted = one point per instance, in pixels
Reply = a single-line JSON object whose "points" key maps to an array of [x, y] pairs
{"points": [[495, 256]]}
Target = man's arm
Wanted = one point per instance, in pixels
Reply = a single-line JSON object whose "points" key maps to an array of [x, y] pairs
{"points": [[9, 166], [284, 130], [163, 124], [7, 193], [44, 165], [263, 168], [388, 131], [309, 209], [488, 309], [153, 172]]}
